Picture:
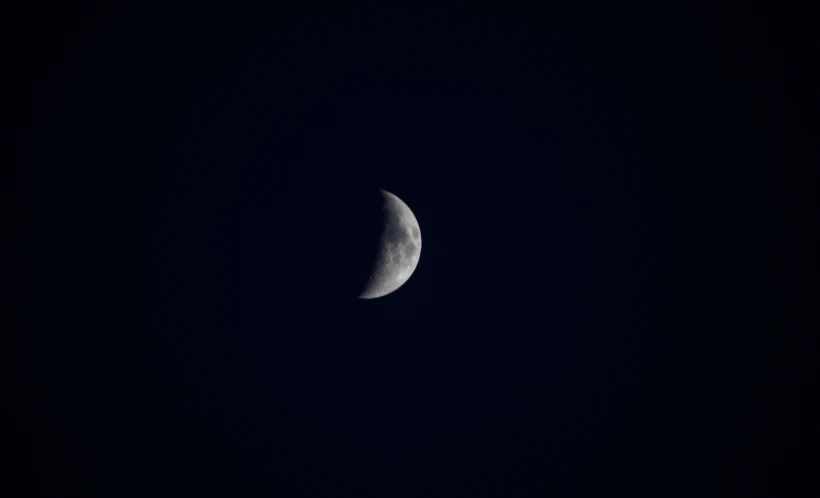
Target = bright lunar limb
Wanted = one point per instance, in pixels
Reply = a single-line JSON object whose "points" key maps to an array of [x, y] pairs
{"points": [[399, 248]]}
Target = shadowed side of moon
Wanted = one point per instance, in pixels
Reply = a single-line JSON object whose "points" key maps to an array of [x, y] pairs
{"points": [[336, 242], [321, 245]]}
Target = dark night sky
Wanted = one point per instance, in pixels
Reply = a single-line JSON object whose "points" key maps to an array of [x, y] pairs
{"points": [[617, 213]]}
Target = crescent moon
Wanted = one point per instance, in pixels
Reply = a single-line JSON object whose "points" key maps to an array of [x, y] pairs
{"points": [[399, 248]]}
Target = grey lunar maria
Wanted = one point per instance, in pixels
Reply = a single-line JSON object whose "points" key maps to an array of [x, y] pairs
{"points": [[399, 248]]}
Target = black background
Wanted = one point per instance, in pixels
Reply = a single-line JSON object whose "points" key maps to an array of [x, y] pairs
{"points": [[617, 213]]}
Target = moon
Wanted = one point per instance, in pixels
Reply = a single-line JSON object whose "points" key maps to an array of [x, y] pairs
{"points": [[399, 248]]}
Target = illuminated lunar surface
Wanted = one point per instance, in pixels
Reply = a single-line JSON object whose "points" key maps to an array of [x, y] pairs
{"points": [[399, 248]]}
